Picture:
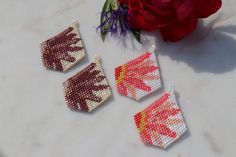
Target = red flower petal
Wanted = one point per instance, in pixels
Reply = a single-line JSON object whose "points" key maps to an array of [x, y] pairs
{"points": [[140, 59], [162, 129], [122, 88], [179, 29], [138, 84], [146, 137], [165, 114], [123, 2], [137, 119], [148, 69], [205, 8], [184, 9], [150, 15]]}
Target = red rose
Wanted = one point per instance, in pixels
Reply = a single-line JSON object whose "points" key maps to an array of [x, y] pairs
{"points": [[122, 2], [174, 18]]}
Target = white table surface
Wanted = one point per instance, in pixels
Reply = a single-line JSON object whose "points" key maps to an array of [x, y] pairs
{"points": [[34, 119]]}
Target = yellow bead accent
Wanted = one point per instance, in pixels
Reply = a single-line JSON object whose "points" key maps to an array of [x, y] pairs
{"points": [[122, 74], [143, 123]]}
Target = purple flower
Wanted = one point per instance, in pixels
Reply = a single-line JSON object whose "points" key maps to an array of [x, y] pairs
{"points": [[115, 21]]}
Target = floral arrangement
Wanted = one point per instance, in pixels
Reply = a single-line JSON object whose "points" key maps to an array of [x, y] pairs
{"points": [[175, 19]]}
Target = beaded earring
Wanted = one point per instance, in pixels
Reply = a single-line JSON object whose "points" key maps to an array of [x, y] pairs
{"points": [[138, 77], [63, 50], [87, 89], [161, 123]]}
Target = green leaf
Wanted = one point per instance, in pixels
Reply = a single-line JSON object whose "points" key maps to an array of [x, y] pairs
{"points": [[137, 34], [109, 5], [104, 10]]}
